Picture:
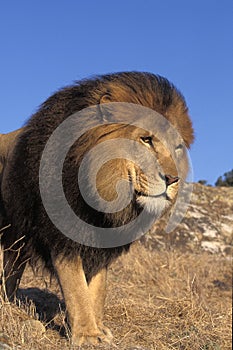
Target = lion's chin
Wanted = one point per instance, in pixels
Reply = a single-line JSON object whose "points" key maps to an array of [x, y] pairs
{"points": [[154, 205]]}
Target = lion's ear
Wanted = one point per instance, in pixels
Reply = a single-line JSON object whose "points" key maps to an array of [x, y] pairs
{"points": [[107, 98]]}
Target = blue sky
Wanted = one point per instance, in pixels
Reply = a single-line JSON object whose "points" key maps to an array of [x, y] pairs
{"points": [[48, 44]]}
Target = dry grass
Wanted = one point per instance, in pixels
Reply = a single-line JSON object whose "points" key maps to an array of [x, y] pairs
{"points": [[156, 300]]}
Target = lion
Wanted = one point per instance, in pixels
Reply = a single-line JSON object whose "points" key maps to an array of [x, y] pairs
{"points": [[81, 269]]}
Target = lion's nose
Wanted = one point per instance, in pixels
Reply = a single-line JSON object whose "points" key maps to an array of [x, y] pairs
{"points": [[171, 179]]}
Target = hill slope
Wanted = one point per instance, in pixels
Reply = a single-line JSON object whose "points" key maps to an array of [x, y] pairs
{"points": [[172, 291]]}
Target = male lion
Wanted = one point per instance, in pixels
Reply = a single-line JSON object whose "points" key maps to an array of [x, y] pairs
{"points": [[81, 269]]}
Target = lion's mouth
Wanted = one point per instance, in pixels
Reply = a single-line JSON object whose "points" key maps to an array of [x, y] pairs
{"points": [[160, 195]]}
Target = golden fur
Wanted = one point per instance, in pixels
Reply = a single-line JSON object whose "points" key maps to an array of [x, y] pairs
{"points": [[7, 142]]}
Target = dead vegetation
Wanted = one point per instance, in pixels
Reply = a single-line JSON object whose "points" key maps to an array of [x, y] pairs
{"points": [[168, 293], [156, 300]]}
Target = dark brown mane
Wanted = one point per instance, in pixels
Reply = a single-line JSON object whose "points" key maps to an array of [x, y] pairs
{"points": [[149, 90]]}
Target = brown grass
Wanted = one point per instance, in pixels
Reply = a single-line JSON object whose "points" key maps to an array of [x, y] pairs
{"points": [[156, 300]]}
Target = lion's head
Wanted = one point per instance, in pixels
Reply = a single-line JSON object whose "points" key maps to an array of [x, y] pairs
{"points": [[149, 171]]}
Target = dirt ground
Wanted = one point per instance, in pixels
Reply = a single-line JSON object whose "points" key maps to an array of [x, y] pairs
{"points": [[157, 299]]}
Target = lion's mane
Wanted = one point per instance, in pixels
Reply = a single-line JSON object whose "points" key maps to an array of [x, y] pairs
{"points": [[20, 185]]}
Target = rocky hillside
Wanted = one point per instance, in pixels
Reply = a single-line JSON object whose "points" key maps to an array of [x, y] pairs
{"points": [[208, 224]]}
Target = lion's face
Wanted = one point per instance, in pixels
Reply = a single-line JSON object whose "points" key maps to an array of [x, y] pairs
{"points": [[146, 168]]}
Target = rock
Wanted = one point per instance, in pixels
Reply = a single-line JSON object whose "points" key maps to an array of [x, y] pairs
{"points": [[33, 327], [207, 225], [212, 247], [4, 346], [137, 348], [5, 343]]}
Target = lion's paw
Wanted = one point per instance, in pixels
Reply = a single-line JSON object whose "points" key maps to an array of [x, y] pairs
{"points": [[105, 336], [107, 333], [85, 339]]}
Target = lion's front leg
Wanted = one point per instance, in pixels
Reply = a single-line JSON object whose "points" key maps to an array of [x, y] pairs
{"points": [[78, 301], [97, 289]]}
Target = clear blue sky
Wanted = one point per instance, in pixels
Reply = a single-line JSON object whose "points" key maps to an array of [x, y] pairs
{"points": [[48, 44]]}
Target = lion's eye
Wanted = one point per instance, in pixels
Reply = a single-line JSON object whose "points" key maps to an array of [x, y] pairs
{"points": [[147, 140], [179, 148]]}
